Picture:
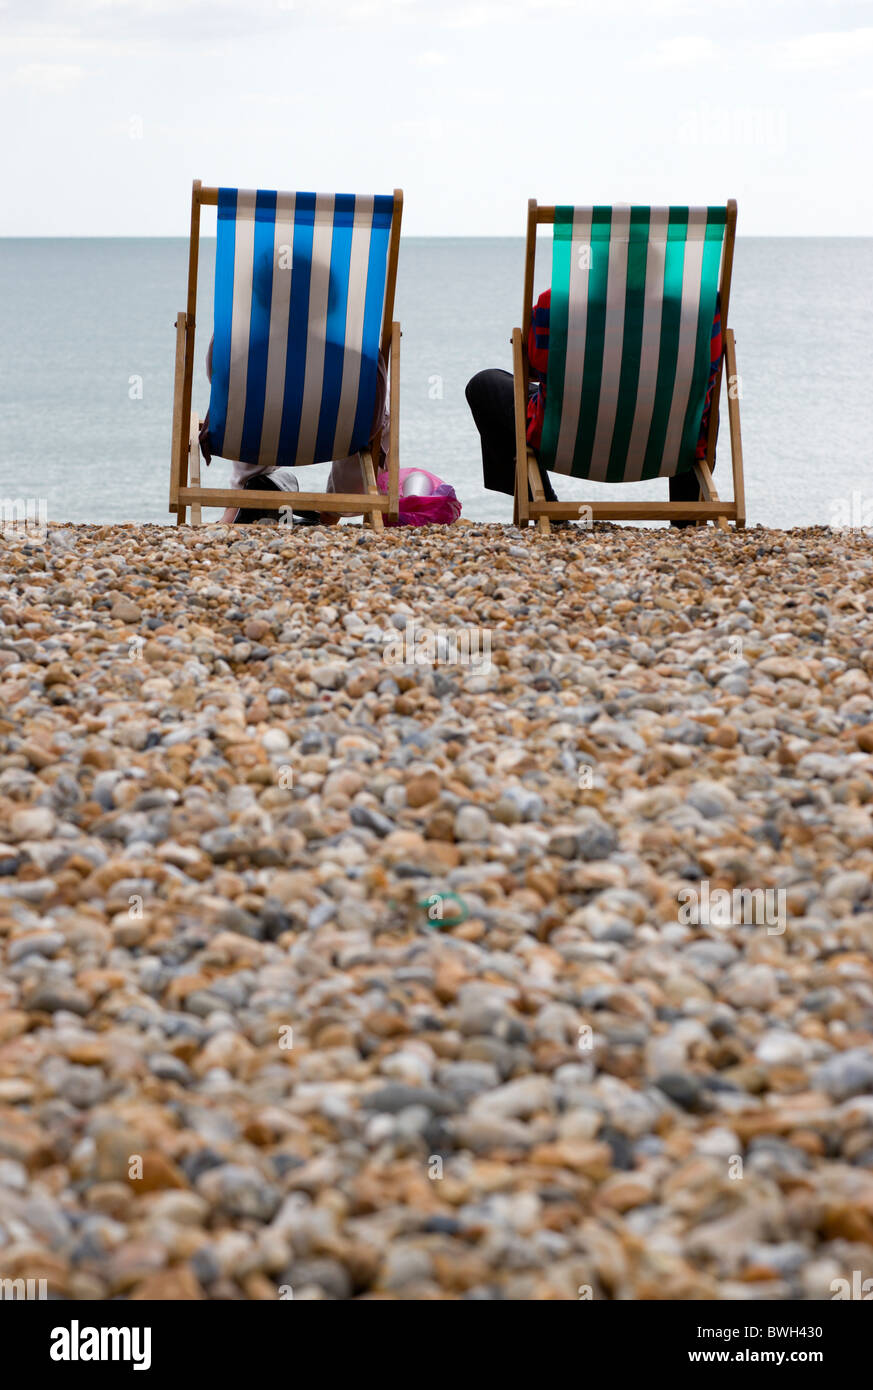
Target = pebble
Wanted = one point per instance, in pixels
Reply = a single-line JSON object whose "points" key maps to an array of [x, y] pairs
{"points": [[683, 1089], [214, 959], [847, 1073], [471, 824], [239, 1191], [396, 1097]]}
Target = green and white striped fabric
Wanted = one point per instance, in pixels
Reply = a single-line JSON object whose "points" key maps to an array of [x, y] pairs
{"points": [[633, 299]]}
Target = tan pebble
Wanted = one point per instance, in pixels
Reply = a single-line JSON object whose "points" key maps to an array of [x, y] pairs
{"points": [[259, 1133], [749, 1077], [440, 856], [403, 844], [230, 1051], [542, 883], [22, 1139], [91, 1052], [440, 825], [361, 1259], [16, 1090], [787, 1079], [100, 982], [784, 668], [38, 755], [54, 1269], [56, 673], [446, 1045], [101, 758], [808, 1140], [85, 1287], [116, 1149], [844, 1221], [33, 823], [179, 989], [345, 782], [462, 1270], [724, 736], [158, 1173], [624, 1192], [130, 933], [12, 1023], [124, 610], [334, 1035], [259, 1288], [450, 975], [472, 930], [591, 1159], [113, 1198], [386, 1024], [422, 789], [169, 1286], [560, 1216], [289, 886]]}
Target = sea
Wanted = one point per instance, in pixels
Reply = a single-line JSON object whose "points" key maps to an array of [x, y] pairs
{"points": [[87, 355]]}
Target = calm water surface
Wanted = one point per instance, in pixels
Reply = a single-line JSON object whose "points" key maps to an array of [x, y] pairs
{"points": [[82, 322]]}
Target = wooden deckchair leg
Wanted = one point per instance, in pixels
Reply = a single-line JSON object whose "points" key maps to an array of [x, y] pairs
{"points": [[730, 353], [707, 490], [537, 491], [370, 482], [194, 468], [179, 449], [519, 377], [190, 325], [394, 430]]}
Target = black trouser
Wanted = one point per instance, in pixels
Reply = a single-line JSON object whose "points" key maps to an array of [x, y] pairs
{"points": [[685, 488], [490, 396]]}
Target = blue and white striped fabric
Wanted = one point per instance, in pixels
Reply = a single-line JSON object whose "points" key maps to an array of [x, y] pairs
{"points": [[299, 295]]}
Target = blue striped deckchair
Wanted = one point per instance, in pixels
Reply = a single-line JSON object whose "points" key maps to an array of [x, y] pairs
{"points": [[304, 303], [633, 296]]}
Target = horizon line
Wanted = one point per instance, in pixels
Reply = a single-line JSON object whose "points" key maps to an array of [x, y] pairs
{"points": [[410, 236]]}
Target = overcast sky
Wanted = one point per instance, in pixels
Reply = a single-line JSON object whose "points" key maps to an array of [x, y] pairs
{"points": [[109, 108]]}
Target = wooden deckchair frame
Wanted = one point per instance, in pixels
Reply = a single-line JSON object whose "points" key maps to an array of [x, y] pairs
{"points": [[712, 507], [185, 448]]}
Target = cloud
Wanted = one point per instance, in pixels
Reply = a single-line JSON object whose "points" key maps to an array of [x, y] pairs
{"points": [[126, 27], [826, 50], [682, 52], [48, 77]]}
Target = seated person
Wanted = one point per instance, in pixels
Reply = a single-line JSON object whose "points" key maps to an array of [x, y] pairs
{"points": [[345, 474], [490, 396]]}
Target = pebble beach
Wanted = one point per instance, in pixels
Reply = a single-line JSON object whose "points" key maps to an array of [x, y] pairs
{"points": [[343, 959]]}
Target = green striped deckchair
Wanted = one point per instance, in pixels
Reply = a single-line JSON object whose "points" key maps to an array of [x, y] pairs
{"points": [[304, 303], [633, 297]]}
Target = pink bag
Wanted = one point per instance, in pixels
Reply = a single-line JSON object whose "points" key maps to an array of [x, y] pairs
{"points": [[419, 507]]}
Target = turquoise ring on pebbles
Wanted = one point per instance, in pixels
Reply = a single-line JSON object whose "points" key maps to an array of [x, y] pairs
{"points": [[434, 900]]}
